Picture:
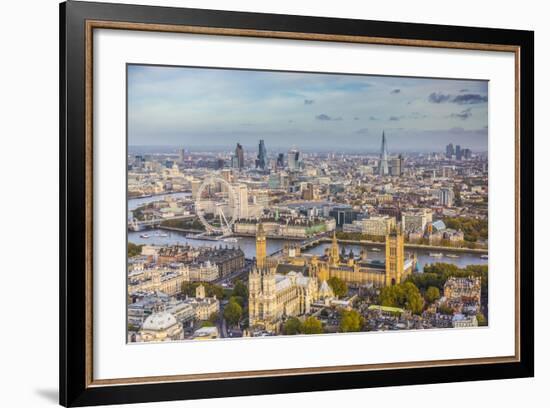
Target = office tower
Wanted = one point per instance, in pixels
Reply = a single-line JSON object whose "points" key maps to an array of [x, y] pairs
{"points": [[238, 161], [458, 152], [281, 160], [293, 159], [446, 197], [396, 166], [241, 191], [274, 181], [181, 155], [261, 162], [383, 169], [450, 151], [227, 175], [466, 154]]}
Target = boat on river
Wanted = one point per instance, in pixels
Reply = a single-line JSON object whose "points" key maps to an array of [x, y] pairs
{"points": [[436, 254], [452, 256]]}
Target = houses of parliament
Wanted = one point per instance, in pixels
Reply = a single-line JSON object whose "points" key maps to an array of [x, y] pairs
{"points": [[287, 284]]}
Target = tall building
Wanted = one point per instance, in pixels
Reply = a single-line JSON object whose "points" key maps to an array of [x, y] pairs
{"points": [[458, 152], [261, 247], [383, 168], [394, 256], [241, 191], [181, 155], [446, 197], [281, 160], [293, 159], [396, 166], [344, 214], [239, 157], [334, 252], [450, 151], [261, 161], [227, 175]]}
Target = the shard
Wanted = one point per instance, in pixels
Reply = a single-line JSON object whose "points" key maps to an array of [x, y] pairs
{"points": [[383, 169]]}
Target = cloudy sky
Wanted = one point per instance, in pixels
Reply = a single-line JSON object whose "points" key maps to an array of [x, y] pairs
{"points": [[190, 107]]}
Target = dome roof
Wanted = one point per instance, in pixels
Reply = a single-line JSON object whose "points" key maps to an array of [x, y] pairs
{"points": [[159, 321]]}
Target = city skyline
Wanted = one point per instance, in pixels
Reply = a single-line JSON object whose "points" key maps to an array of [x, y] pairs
{"points": [[275, 203], [205, 107]]}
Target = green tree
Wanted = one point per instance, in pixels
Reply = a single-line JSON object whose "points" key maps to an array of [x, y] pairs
{"points": [[351, 321], [240, 289], [481, 320], [391, 296], [432, 294], [413, 300], [437, 274], [292, 326], [214, 317], [312, 326], [339, 287], [446, 310], [134, 249], [189, 289], [233, 312], [238, 299], [214, 290], [405, 295], [473, 228]]}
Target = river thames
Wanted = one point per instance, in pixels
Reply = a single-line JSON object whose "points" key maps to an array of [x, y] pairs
{"points": [[248, 245]]}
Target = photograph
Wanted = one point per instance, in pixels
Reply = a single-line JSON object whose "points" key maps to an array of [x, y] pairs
{"points": [[268, 203]]}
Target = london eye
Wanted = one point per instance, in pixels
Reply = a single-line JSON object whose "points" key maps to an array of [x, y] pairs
{"points": [[216, 205]]}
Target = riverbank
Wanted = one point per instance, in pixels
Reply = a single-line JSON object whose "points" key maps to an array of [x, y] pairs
{"points": [[343, 241], [158, 195], [184, 230], [248, 245], [409, 246]]}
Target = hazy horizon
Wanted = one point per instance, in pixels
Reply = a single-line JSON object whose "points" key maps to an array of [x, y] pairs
{"points": [[217, 108]]}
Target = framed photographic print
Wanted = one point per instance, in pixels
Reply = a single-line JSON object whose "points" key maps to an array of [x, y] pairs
{"points": [[256, 203]]}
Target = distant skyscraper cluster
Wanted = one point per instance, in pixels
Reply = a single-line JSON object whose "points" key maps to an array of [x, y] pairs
{"points": [[457, 152], [293, 162]]}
